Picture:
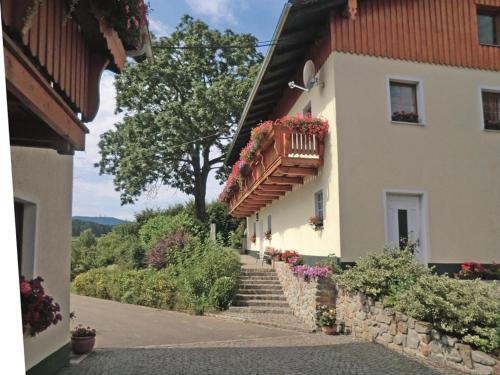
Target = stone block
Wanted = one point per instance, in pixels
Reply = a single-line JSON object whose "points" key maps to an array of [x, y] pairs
{"points": [[436, 347], [424, 349], [402, 327], [361, 315], [411, 323], [393, 329], [435, 335], [423, 327], [384, 319], [401, 317], [448, 340], [385, 338], [438, 358], [374, 332], [482, 358], [400, 339], [383, 328], [410, 351], [466, 354], [388, 311], [412, 340], [496, 369], [452, 354], [424, 338], [395, 347], [480, 369]]}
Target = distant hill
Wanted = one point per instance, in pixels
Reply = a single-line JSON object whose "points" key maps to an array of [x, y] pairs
{"points": [[78, 226], [100, 220]]}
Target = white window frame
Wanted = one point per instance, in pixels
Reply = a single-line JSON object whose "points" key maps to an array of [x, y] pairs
{"points": [[494, 89], [420, 98], [424, 213], [322, 203]]}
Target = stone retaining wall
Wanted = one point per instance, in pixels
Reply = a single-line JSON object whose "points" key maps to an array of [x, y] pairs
{"points": [[303, 296], [370, 320]]}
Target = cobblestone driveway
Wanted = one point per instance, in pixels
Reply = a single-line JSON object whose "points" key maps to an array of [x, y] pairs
{"points": [[300, 354]]}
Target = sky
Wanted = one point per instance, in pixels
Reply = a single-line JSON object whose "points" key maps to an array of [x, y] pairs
{"points": [[95, 195]]}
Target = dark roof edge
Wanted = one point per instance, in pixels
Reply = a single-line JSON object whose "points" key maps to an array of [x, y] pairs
{"points": [[267, 59]]}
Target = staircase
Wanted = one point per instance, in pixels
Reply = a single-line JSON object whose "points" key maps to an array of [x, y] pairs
{"points": [[260, 292], [260, 299]]}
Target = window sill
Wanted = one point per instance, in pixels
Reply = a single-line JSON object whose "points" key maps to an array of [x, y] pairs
{"points": [[489, 45], [491, 130], [407, 123]]}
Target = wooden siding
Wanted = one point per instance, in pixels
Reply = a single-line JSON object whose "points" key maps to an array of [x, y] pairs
{"points": [[433, 31]]}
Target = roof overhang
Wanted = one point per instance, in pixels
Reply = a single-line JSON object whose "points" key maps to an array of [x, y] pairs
{"points": [[298, 25]]}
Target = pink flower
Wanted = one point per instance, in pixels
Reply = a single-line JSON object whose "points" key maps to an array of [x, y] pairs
{"points": [[25, 288]]}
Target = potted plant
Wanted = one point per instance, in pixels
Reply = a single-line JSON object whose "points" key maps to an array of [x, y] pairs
{"points": [[326, 317], [316, 222], [82, 339], [268, 235], [405, 116]]}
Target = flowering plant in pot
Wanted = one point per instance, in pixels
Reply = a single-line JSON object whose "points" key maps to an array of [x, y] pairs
{"points": [[316, 222], [268, 235], [82, 339], [305, 124], [39, 311], [311, 273], [326, 317], [405, 116], [288, 254]]}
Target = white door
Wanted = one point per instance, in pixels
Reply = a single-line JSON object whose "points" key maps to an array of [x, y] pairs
{"points": [[404, 222]]}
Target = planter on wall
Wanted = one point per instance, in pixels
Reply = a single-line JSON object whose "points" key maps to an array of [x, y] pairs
{"points": [[329, 330]]}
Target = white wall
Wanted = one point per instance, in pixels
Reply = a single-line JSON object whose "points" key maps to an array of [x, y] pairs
{"points": [[290, 214], [45, 178], [451, 158]]}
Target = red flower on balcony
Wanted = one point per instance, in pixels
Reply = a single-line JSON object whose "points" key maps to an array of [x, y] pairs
{"points": [[260, 131], [305, 124]]}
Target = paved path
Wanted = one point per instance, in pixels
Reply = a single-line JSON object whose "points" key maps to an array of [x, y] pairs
{"points": [[135, 340]]}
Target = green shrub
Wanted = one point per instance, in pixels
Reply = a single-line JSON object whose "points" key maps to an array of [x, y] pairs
{"points": [[468, 309], [382, 275], [160, 227], [92, 283], [225, 224], [236, 236], [222, 292]]}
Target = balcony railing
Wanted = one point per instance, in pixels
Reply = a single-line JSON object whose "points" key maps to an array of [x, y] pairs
{"points": [[283, 160]]}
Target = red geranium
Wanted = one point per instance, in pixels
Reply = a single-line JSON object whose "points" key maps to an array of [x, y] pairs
{"points": [[305, 124], [39, 311]]}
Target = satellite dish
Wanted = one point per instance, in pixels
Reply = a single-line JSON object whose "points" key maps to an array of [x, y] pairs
{"points": [[309, 74]]}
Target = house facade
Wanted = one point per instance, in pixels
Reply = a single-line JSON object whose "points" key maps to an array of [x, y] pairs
{"points": [[411, 91], [54, 58]]}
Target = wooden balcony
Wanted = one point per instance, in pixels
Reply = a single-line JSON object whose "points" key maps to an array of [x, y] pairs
{"points": [[284, 159]]}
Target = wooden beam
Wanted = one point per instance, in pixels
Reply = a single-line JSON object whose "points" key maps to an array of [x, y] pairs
{"points": [[32, 89], [298, 171], [272, 188], [284, 180], [270, 194]]}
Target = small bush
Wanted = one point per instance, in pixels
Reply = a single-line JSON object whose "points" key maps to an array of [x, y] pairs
{"points": [[222, 293], [160, 227], [167, 251], [92, 283], [468, 309], [382, 275]]}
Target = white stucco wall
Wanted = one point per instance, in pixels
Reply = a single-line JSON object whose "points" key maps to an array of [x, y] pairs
{"points": [[290, 214], [452, 159], [44, 178]]}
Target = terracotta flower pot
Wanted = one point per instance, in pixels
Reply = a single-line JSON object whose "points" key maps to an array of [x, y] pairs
{"points": [[82, 345], [329, 330]]}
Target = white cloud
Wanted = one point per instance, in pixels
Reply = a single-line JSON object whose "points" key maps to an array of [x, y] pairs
{"points": [[158, 27], [216, 10]]}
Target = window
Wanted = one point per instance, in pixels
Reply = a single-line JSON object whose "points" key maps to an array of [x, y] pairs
{"points": [[318, 204], [491, 109], [404, 101], [254, 229], [269, 227], [488, 27], [19, 218], [25, 218]]}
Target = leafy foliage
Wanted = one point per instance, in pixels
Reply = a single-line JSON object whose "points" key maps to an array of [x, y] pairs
{"points": [[169, 135], [160, 227], [166, 251], [382, 275], [222, 292], [225, 224], [468, 309]]}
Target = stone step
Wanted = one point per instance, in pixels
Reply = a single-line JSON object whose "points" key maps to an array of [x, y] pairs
{"points": [[274, 277], [272, 297], [243, 274], [260, 282], [260, 291], [249, 270], [260, 286], [263, 303], [261, 309]]}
